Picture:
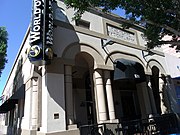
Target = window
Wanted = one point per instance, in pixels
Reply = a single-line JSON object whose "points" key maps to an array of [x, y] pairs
{"points": [[83, 24]]}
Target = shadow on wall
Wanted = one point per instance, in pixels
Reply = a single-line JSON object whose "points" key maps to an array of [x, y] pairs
{"points": [[15, 115], [64, 38], [169, 96]]}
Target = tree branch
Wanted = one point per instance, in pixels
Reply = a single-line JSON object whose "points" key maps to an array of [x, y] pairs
{"points": [[173, 11], [177, 43], [165, 27], [114, 17]]}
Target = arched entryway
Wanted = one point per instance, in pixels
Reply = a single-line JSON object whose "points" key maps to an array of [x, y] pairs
{"points": [[161, 87], [129, 90], [83, 92], [155, 88], [157, 83], [126, 101]]}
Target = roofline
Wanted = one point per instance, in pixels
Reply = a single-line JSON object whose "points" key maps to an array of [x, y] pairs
{"points": [[113, 17]]}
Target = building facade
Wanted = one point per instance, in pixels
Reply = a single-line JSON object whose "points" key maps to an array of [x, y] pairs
{"points": [[173, 59], [100, 73]]}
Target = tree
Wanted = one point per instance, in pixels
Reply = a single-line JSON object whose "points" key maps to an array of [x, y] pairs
{"points": [[3, 48], [158, 17]]}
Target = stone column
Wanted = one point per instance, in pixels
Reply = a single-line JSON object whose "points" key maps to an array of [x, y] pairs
{"points": [[109, 93], [100, 95], [34, 112], [69, 97], [163, 97]]}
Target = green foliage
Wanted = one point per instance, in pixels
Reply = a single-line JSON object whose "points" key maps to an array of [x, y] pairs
{"points": [[159, 17], [3, 48]]}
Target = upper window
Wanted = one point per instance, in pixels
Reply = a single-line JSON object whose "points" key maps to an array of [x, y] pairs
{"points": [[83, 24]]}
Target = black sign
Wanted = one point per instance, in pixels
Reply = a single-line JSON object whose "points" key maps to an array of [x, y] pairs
{"points": [[49, 22], [48, 31], [41, 33]]}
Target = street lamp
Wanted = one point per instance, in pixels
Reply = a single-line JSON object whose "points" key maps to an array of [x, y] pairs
{"points": [[106, 42]]}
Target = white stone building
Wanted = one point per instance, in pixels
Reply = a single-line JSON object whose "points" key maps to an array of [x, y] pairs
{"points": [[88, 82]]}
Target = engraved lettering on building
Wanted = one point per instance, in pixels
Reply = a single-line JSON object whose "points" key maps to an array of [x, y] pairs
{"points": [[121, 34]]}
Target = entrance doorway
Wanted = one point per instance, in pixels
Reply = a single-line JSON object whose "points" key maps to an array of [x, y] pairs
{"points": [[125, 77], [83, 91], [89, 100], [129, 105], [126, 100]]}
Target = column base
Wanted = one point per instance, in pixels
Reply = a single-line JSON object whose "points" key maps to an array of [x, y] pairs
{"points": [[110, 121], [72, 127], [114, 121]]}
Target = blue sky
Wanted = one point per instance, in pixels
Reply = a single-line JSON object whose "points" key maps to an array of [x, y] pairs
{"points": [[15, 15]]}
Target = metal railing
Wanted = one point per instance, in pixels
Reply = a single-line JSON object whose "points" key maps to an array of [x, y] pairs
{"points": [[161, 125]]}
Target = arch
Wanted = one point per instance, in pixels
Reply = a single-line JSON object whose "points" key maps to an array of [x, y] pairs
{"points": [[71, 50], [84, 57], [83, 90], [75, 48], [128, 69], [155, 70], [118, 54], [151, 63]]}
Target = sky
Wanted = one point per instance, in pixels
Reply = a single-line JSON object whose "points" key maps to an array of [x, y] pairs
{"points": [[15, 15]]}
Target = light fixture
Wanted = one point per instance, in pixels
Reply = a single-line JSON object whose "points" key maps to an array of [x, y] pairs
{"points": [[149, 53], [106, 42], [49, 53]]}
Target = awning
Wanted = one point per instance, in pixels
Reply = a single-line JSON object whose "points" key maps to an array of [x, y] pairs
{"points": [[177, 78], [127, 69], [9, 104]]}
